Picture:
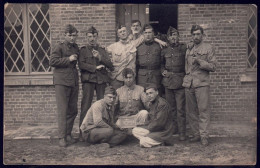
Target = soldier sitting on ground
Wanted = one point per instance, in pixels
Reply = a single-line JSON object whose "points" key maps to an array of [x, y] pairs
{"points": [[159, 129], [98, 125]]}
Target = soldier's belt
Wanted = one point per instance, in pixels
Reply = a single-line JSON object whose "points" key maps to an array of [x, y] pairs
{"points": [[150, 67]]}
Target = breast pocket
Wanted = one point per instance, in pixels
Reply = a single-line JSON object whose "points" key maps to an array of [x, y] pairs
{"points": [[202, 55], [117, 57]]}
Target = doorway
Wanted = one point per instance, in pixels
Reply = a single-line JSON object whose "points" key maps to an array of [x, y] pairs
{"points": [[161, 16]]}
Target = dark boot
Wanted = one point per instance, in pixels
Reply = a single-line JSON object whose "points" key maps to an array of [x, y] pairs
{"points": [[70, 140], [182, 137], [204, 141], [195, 139], [62, 142]]}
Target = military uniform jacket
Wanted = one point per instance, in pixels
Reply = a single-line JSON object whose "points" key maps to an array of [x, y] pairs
{"points": [[197, 74], [160, 121], [65, 72], [88, 64], [130, 100], [173, 60], [149, 55], [99, 115]]}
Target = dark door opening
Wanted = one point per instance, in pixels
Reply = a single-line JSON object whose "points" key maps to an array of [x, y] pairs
{"points": [[162, 16]]}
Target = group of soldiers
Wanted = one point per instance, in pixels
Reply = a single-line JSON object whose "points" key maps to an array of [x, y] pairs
{"points": [[129, 77]]}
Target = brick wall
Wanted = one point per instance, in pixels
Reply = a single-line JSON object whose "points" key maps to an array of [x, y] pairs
{"points": [[82, 16], [25, 105], [226, 28]]}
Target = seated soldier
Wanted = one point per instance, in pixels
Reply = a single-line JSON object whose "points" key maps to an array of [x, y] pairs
{"points": [[159, 129], [130, 102], [98, 125]]}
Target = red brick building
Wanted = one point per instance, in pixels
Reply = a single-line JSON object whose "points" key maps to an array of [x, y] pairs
{"points": [[30, 30]]}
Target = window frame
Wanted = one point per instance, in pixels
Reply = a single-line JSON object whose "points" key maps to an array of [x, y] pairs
{"points": [[28, 77]]}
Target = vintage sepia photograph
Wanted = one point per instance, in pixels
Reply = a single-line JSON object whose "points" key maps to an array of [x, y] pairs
{"points": [[129, 84]]}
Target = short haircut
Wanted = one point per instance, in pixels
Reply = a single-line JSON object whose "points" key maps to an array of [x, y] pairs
{"points": [[120, 27], [151, 86], [195, 28], [70, 29], [136, 21], [147, 26], [127, 71]]}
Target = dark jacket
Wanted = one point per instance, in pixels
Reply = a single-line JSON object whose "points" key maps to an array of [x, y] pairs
{"points": [[149, 63], [160, 121], [65, 72], [88, 64], [173, 60]]}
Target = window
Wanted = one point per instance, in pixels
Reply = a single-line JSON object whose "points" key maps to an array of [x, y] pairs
{"points": [[26, 39], [250, 73], [252, 38]]}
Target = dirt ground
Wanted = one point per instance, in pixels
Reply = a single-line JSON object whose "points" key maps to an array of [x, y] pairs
{"points": [[221, 151]]}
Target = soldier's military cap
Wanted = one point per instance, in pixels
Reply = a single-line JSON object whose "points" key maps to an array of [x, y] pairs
{"points": [[171, 30], [92, 30], [147, 26], [110, 90], [151, 85], [70, 29]]}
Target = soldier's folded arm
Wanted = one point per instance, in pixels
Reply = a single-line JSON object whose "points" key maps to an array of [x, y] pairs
{"points": [[56, 60], [160, 119], [106, 60], [83, 64], [97, 117], [211, 64]]}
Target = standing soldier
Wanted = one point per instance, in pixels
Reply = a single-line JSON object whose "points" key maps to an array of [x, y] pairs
{"points": [[93, 61], [173, 71], [199, 61], [149, 60], [64, 59]]}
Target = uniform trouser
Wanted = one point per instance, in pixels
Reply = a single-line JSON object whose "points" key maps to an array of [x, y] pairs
{"points": [[141, 134], [197, 100], [87, 97], [176, 98], [66, 99], [105, 135], [116, 83]]}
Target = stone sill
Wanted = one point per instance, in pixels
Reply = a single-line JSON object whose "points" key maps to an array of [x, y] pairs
{"points": [[28, 80], [248, 76]]}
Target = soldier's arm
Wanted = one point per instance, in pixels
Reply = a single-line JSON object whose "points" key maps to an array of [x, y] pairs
{"points": [[160, 119], [211, 63], [84, 64], [163, 60], [106, 60], [137, 42], [160, 42], [56, 59], [97, 116]]}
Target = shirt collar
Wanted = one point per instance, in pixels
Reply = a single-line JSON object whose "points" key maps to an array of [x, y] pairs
{"points": [[125, 41], [92, 47], [70, 44], [130, 88]]}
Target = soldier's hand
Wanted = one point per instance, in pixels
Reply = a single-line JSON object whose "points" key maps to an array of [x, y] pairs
{"points": [[163, 44], [164, 72], [95, 53], [100, 67], [73, 57], [190, 45]]}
